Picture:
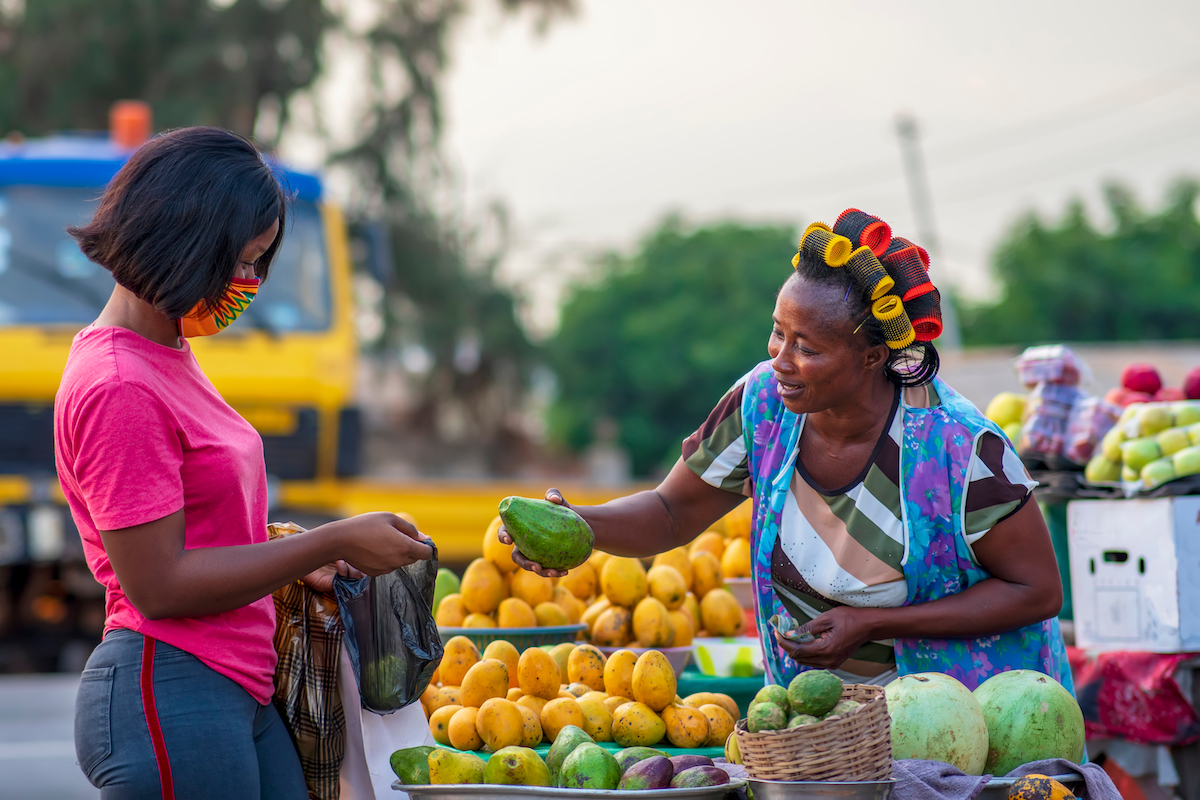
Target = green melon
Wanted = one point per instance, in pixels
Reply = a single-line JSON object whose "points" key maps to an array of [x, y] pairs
{"points": [[935, 717], [1029, 716]]}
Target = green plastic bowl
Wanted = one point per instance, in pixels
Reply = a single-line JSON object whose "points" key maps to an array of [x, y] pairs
{"points": [[520, 638]]}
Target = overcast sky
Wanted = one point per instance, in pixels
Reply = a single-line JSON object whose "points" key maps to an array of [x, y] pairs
{"points": [[778, 110]]}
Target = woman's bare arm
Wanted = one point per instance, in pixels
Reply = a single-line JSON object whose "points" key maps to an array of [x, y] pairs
{"points": [[650, 522], [163, 579], [1025, 588]]}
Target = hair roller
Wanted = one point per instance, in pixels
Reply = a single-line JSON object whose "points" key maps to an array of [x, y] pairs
{"points": [[926, 313], [833, 249], [897, 330], [912, 279], [899, 243], [868, 273], [864, 230]]}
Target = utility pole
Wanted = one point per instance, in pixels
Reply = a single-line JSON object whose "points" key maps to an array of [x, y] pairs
{"points": [[922, 205]]}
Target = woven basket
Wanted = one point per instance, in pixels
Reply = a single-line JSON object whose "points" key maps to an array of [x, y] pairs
{"points": [[850, 747]]}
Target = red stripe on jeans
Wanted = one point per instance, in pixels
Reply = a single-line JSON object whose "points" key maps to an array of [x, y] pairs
{"points": [[156, 736]]}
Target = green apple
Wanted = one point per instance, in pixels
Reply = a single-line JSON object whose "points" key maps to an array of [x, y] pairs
{"points": [[1137, 453], [1102, 470], [1154, 418], [1156, 473], [1110, 445], [1006, 408], [1130, 475], [1172, 440], [1187, 414], [1187, 462], [1194, 433], [1013, 431]]}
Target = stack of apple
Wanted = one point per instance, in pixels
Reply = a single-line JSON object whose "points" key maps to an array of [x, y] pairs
{"points": [[1141, 383], [1152, 444]]}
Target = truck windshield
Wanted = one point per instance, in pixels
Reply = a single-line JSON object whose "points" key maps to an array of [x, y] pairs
{"points": [[46, 280]]}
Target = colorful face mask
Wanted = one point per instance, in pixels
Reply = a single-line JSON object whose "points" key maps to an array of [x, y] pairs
{"points": [[205, 321]]}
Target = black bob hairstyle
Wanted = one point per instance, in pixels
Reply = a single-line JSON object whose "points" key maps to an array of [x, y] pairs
{"points": [[915, 365], [174, 220]]}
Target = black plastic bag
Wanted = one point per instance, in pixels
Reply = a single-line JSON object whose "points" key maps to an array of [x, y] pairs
{"points": [[391, 636]]}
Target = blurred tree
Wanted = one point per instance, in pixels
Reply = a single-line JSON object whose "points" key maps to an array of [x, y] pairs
{"points": [[655, 342], [1075, 282], [238, 63]]}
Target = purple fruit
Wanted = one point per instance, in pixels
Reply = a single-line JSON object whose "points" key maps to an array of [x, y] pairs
{"points": [[651, 773], [687, 761], [699, 776]]}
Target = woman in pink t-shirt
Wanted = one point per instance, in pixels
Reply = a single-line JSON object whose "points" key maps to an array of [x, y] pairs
{"points": [[168, 487]]}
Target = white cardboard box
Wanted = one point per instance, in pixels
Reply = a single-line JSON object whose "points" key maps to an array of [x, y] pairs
{"points": [[1135, 573]]}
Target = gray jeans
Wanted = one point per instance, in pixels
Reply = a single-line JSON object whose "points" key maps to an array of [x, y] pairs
{"points": [[194, 734]]}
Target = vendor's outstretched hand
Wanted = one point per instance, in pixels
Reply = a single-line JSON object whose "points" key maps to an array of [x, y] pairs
{"points": [[554, 496], [839, 632]]}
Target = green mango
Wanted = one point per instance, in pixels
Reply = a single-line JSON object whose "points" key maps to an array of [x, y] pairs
{"points": [[454, 767], [411, 765], [516, 766], [631, 755], [765, 716], [552, 535], [568, 739], [589, 766], [446, 583], [814, 692]]}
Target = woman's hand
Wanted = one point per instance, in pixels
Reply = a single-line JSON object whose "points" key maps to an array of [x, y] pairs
{"points": [[839, 631], [380, 542], [321, 579], [553, 496]]}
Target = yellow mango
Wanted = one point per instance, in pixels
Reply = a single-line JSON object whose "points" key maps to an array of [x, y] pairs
{"points": [[571, 605], [586, 665], [614, 702], [533, 703], [515, 692], [532, 588], [427, 698], [500, 724], [720, 723], [558, 714], [692, 606], [738, 521], [594, 611], [506, 581], [636, 724], [580, 581], [439, 723], [549, 615], [667, 586], [681, 623], [613, 627], [496, 551], [594, 695], [538, 674], [686, 726], [463, 734], [515, 613], [479, 621], [652, 625], [653, 680], [736, 561], [504, 651], [561, 653], [706, 573], [445, 696], [450, 612], [722, 614], [578, 690], [458, 656], [726, 702], [618, 673], [482, 588], [677, 558], [598, 559], [483, 681], [531, 726], [597, 719], [623, 581], [711, 541]]}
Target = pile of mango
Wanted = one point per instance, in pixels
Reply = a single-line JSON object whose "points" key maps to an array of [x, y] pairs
{"points": [[575, 761], [812, 696], [502, 698]]}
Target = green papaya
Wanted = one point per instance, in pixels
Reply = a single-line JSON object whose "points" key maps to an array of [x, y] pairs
{"points": [[549, 534]]}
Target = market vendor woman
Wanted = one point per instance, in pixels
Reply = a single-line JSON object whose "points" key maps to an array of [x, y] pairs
{"points": [[892, 520]]}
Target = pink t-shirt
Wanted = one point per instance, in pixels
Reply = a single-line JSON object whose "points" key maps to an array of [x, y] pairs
{"points": [[140, 433]]}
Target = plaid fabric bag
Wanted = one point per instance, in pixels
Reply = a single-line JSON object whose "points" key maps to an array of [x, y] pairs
{"points": [[308, 639]]}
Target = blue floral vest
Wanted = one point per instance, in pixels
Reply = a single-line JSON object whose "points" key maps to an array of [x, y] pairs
{"points": [[934, 457]]}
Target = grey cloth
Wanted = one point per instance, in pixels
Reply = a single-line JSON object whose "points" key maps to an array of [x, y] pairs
{"points": [[917, 779], [1097, 784]]}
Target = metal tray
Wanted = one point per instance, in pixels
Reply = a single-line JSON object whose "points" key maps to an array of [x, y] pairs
{"points": [[997, 788], [483, 791], [802, 790]]}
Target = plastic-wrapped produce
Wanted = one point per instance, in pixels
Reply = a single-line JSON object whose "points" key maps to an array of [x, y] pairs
{"points": [[1051, 363], [1089, 421], [1046, 413]]}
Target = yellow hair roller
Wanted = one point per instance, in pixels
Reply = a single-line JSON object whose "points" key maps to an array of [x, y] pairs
{"points": [[819, 241], [897, 329], [866, 271]]}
